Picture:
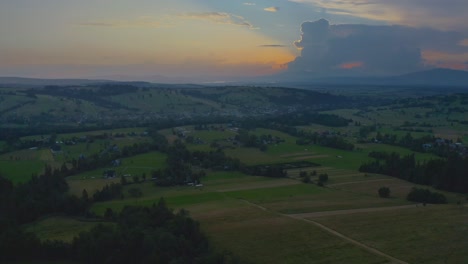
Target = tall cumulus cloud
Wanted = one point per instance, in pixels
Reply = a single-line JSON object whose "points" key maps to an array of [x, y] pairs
{"points": [[351, 48]]}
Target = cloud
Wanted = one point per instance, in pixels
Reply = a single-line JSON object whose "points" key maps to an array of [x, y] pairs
{"points": [[143, 22], [441, 59], [464, 42], [442, 14], [150, 22], [219, 18], [272, 9], [249, 4], [351, 65], [336, 49], [272, 46], [99, 24]]}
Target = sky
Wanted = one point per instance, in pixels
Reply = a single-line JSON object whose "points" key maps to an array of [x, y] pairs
{"points": [[219, 40]]}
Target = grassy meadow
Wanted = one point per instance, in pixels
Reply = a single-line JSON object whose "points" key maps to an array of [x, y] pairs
{"points": [[59, 228], [268, 220], [431, 234], [249, 216]]}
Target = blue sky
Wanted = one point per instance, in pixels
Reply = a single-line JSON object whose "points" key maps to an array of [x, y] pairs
{"points": [[222, 40]]}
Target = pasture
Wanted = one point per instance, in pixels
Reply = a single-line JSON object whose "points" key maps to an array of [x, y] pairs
{"points": [[431, 234], [19, 166], [138, 165], [270, 220], [20, 171], [59, 228], [264, 219], [440, 116], [260, 236]]}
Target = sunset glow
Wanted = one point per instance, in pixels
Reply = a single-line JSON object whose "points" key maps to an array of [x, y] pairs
{"points": [[351, 65], [92, 39]]}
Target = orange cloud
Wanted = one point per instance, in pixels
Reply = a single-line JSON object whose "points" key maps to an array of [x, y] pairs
{"points": [[452, 65], [464, 43], [456, 61], [351, 65]]}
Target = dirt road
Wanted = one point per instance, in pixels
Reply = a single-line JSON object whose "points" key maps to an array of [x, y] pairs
{"points": [[303, 217]]}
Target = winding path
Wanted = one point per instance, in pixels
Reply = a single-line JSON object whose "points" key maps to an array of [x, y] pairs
{"points": [[351, 211], [302, 217]]}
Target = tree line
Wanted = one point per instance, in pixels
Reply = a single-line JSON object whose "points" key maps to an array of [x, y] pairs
{"points": [[444, 174], [137, 235]]}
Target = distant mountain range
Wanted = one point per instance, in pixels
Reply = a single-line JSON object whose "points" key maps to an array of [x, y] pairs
{"points": [[434, 77], [19, 81]]}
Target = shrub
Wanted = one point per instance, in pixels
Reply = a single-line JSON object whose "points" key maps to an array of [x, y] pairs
{"points": [[426, 196], [306, 179], [323, 177], [384, 192], [135, 192]]}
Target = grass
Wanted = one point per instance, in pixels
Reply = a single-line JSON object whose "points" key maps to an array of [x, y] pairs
{"points": [[3, 144], [266, 236], [183, 200], [212, 135], [93, 133], [433, 234], [217, 186], [21, 170], [392, 116], [281, 193], [42, 262], [152, 160], [263, 237], [59, 228], [289, 151], [90, 185], [136, 165]]}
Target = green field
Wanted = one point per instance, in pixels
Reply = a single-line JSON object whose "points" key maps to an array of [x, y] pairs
{"points": [[249, 216], [21, 170], [233, 224], [265, 237], [59, 228], [138, 165], [268, 220], [432, 234], [18, 166], [42, 262]]}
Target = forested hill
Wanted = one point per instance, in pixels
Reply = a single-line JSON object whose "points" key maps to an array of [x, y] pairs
{"points": [[111, 103]]}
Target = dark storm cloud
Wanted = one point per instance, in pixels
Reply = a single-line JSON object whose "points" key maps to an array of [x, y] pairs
{"points": [[328, 49], [441, 14]]}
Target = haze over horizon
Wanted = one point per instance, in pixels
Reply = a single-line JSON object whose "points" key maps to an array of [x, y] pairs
{"points": [[188, 40]]}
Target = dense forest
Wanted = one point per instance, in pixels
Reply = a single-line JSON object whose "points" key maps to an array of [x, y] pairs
{"points": [[136, 235], [445, 174]]}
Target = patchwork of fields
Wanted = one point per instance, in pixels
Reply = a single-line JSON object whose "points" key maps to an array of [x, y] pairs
{"points": [[266, 220], [270, 220]]}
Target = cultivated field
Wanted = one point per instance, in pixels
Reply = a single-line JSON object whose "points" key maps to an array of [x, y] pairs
{"points": [[265, 220], [273, 220]]}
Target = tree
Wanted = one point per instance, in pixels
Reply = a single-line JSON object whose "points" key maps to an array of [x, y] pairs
{"points": [[384, 192], [85, 197], [421, 195], [135, 192], [136, 179], [306, 179], [109, 214], [323, 177], [123, 180]]}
